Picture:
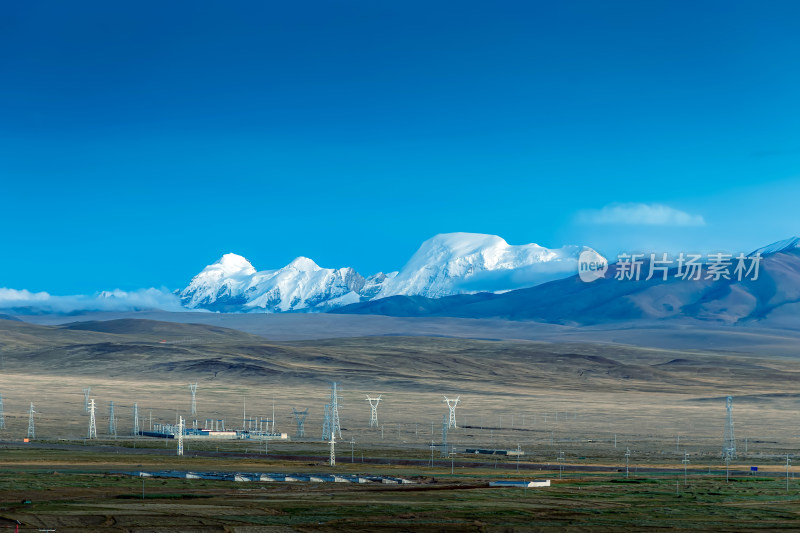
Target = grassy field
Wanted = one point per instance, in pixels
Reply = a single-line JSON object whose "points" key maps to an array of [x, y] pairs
{"points": [[79, 491], [588, 403]]}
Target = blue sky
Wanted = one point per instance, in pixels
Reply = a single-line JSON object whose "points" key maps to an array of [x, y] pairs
{"points": [[140, 142]]}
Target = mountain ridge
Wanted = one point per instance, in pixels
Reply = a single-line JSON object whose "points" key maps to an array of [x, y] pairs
{"points": [[773, 297], [444, 265]]}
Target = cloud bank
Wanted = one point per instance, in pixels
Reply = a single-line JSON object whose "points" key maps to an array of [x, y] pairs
{"points": [[26, 302], [640, 214]]}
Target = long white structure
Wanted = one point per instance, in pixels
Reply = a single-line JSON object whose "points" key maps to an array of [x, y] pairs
{"points": [[521, 484]]}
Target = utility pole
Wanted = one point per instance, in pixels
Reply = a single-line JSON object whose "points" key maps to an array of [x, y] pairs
{"points": [[627, 457], [685, 464], [727, 463]]}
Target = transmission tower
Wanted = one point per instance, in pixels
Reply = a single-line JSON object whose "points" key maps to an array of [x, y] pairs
{"points": [[452, 404], [445, 426], [86, 393], [92, 424], [2, 415], [112, 421], [335, 427], [300, 417], [373, 403], [729, 442], [180, 436], [31, 430], [193, 388], [326, 424], [135, 419]]}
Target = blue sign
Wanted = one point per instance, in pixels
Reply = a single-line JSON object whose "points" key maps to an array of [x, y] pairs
{"points": [[754, 469]]}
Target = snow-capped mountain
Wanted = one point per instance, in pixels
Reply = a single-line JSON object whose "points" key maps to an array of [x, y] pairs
{"points": [[452, 263], [458, 263], [220, 284], [232, 284]]}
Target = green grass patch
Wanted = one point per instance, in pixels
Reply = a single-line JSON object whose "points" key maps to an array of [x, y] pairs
{"points": [[157, 496]]}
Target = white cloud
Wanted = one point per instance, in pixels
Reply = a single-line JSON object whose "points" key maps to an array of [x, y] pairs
{"points": [[117, 300], [639, 214], [14, 295]]}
